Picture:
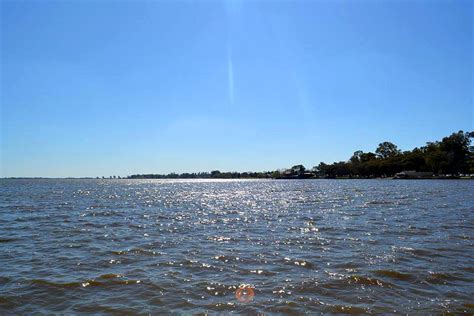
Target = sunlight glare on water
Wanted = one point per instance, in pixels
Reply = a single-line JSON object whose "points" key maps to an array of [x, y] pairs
{"points": [[152, 246]]}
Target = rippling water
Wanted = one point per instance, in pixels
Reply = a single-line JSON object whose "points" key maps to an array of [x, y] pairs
{"points": [[154, 246]]}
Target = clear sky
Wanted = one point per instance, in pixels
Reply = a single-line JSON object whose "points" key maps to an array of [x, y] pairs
{"points": [[92, 88]]}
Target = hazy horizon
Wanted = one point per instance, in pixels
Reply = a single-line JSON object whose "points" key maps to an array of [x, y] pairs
{"points": [[118, 88]]}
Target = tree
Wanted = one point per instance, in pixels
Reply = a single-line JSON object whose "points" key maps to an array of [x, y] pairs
{"points": [[387, 150], [321, 169], [215, 173], [356, 156], [414, 160], [298, 169], [276, 174], [365, 157], [449, 156], [456, 151]]}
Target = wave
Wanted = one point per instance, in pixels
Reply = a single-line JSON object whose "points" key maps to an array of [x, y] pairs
{"points": [[2, 240], [136, 251], [341, 309], [362, 280], [216, 288], [394, 275], [380, 202], [104, 280], [443, 278]]}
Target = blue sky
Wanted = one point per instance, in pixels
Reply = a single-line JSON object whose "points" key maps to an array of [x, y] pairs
{"points": [[92, 88]]}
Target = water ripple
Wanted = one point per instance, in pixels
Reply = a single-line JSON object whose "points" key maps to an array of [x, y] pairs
{"points": [[185, 246]]}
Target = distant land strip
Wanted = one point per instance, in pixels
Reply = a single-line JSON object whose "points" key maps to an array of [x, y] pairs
{"points": [[450, 158]]}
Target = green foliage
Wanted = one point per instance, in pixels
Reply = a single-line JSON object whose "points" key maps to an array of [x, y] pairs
{"points": [[449, 156], [452, 155], [356, 157], [276, 174], [298, 169], [387, 150]]}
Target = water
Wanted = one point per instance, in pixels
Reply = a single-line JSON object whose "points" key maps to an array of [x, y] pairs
{"points": [[154, 246]]}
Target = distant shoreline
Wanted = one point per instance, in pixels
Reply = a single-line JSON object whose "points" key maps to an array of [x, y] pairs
{"points": [[279, 179], [451, 158]]}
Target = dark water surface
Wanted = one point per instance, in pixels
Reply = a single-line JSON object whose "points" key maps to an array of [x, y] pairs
{"points": [[154, 246]]}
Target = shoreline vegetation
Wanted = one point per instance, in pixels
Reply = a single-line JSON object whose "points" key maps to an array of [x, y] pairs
{"points": [[450, 158]]}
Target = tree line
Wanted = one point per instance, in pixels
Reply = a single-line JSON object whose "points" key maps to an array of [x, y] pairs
{"points": [[216, 174], [452, 155]]}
